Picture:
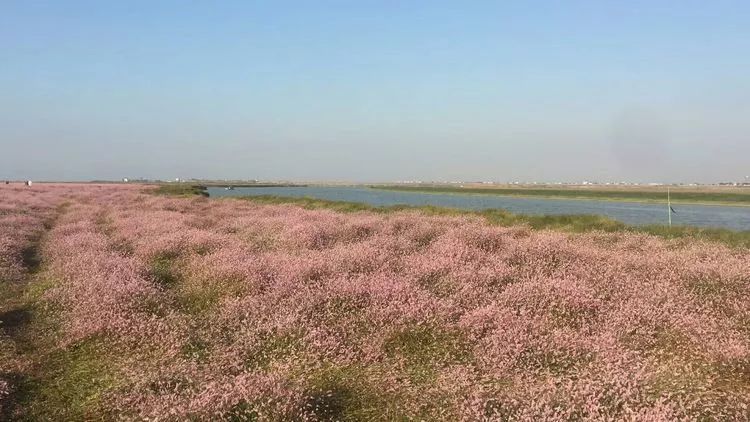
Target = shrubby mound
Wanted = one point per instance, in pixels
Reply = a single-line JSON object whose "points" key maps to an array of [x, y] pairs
{"points": [[190, 308]]}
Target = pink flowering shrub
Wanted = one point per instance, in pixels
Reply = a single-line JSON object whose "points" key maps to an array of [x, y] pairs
{"points": [[227, 309], [4, 391], [22, 217], [25, 214]]}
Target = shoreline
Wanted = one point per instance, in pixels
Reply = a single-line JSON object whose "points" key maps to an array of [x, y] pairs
{"points": [[570, 198], [573, 223]]}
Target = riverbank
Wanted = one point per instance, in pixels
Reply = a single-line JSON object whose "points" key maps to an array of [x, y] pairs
{"points": [[568, 223], [190, 189], [650, 196], [574, 223]]}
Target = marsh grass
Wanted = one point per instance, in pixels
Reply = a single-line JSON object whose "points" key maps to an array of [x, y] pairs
{"points": [[353, 392], [70, 383], [729, 237], [179, 189], [193, 296], [677, 195], [243, 411], [163, 268], [273, 347], [422, 346], [338, 393], [552, 362]]}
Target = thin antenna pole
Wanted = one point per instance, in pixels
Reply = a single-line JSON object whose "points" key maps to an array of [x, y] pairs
{"points": [[669, 208]]}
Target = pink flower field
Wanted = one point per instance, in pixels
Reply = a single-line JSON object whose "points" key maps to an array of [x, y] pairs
{"points": [[145, 307]]}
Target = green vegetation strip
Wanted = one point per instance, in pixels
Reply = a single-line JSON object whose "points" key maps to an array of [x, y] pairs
{"points": [[570, 223], [677, 196], [179, 189]]}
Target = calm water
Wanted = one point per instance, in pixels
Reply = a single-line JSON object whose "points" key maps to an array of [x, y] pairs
{"points": [[735, 218]]}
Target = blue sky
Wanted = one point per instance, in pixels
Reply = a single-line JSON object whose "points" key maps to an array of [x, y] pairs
{"points": [[370, 91]]}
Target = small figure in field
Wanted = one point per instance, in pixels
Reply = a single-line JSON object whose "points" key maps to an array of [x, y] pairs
{"points": [[28, 183]]}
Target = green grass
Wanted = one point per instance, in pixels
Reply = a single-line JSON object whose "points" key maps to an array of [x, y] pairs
{"points": [[70, 383], [49, 382], [179, 189], [571, 223], [163, 269], [349, 393], [56, 383], [728, 237], [425, 349], [551, 361], [191, 296], [274, 347], [677, 195]]}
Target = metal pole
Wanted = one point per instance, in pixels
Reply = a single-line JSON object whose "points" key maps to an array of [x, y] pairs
{"points": [[669, 208]]}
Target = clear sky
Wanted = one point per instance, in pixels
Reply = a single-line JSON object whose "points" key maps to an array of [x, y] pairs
{"points": [[375, 90]]}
